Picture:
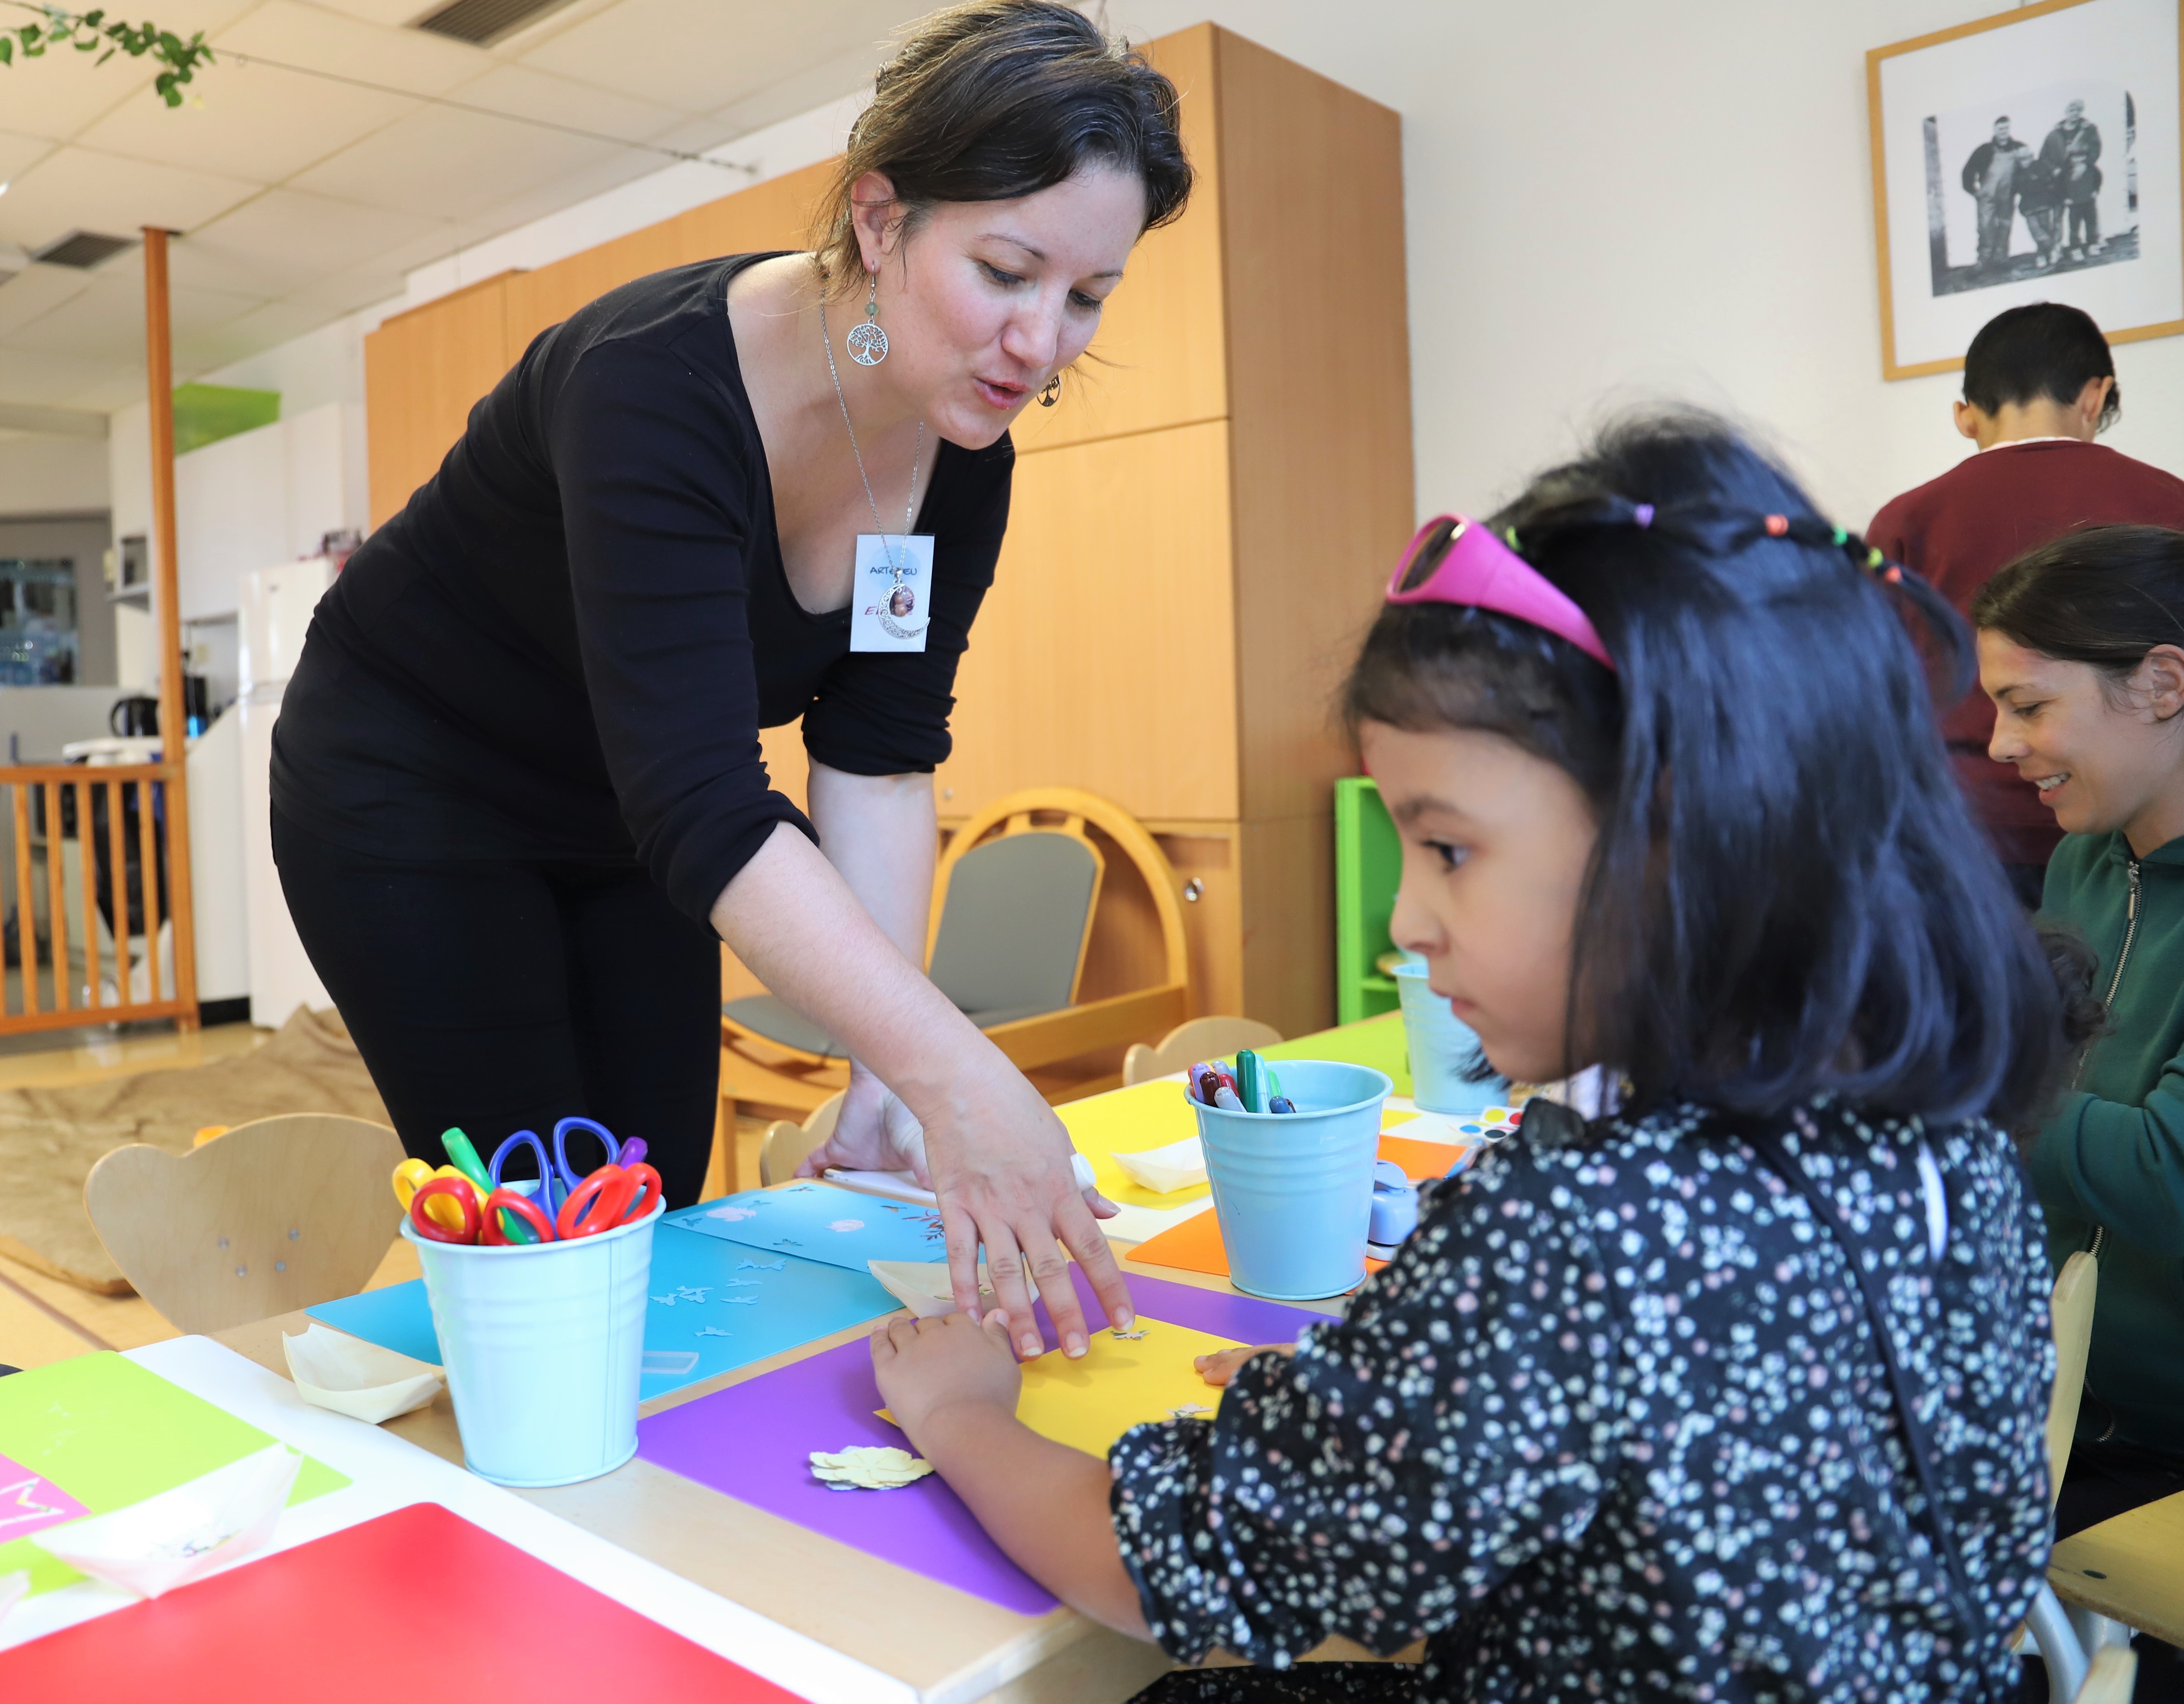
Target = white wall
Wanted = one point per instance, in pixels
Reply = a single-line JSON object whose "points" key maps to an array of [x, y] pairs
{"points": [[1612, 202], [51, 475]]}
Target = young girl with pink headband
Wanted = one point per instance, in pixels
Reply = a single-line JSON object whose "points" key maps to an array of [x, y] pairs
{"points": [[1736, 1392]]}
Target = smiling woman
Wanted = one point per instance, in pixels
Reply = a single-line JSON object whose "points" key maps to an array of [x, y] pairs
{"points": [[2081, 648], [517, 782]]}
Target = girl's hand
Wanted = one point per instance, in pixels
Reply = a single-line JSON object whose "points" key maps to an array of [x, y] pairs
{"points": [[924, 1365], [1219, 1367]]}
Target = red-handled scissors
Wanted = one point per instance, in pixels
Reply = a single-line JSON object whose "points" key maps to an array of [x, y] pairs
{"points": [[610, 1196], [456, 1190], [494, 1233]]}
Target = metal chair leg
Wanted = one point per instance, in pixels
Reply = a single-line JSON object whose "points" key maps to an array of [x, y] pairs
{"points": [[2060, 1647]]}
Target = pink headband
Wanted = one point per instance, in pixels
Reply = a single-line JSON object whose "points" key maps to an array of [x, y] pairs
{"points": [[1472, 568]]}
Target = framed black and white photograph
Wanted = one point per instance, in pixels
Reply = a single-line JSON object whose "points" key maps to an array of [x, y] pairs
{"points": [[2037, 156]]}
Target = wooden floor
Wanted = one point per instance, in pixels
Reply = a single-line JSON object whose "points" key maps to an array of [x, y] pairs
{"points": [[42, 1319]]}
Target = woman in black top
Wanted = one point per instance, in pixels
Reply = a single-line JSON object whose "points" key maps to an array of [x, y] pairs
{"points": [[517, 782]]}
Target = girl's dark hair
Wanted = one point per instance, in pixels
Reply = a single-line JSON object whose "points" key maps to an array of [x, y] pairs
{"points": [[2106, 596], [2043, 349], [1788, 897], [1001, 98]]}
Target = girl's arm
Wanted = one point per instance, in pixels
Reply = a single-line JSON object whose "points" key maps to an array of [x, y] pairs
{"points": [[999, 1158], [952, 1385]]}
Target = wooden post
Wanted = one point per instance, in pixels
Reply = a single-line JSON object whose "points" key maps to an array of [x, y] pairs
{"points": [[166, 594]]}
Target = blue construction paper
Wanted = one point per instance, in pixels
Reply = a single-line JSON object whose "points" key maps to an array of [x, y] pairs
{"points": [[817, 1222], [750, 1308]]}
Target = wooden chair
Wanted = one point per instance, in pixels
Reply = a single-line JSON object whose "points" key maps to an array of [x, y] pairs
{"points": [[278, 1214], [2064, 1646], [2114, 1673], [786, 1143], [1202, 1037], [1016, 897]]}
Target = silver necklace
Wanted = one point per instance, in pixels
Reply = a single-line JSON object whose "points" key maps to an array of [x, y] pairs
{"points": [[909, 505]]}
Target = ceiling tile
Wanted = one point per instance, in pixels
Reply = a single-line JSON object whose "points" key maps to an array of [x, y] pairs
{"points": [[38, 290], [310, 36], [58, 95], [408, 168], [76, 189], [247, 334], [18, 153], [519, 89], [106, 322], [253, 121], [47, 377], [703, 54], [283, 240]]}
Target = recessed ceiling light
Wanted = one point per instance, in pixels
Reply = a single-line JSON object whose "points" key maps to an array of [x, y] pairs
{"points": [[3, 189]]}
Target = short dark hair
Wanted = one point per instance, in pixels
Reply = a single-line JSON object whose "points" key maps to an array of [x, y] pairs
{"points": [[994, 99], [2043, 349], [2103, 595], [1788, 897]]}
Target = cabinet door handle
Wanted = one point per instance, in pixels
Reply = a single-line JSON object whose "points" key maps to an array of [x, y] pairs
{"points": [[1194, 890]]}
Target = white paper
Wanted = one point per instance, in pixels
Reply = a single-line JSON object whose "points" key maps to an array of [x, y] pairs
{"points": [[922, 1286], [333, 1370], [1178, 1166], [903, 1186], [183, 1534]]}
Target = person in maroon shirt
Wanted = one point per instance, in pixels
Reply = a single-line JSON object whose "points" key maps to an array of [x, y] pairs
{"points": [[2039, 384]]}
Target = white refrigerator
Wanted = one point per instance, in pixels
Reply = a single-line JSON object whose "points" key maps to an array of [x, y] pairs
{"points": [[275, 613]]}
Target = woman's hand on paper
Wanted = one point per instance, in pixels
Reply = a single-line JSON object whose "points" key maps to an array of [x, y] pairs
{"points": [[860, 1140], [1220, 1366], [925, 1365]]}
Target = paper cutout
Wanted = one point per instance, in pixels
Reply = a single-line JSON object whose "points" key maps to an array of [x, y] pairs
{"points": [[922, 1286], [752, 1442], [780, 1304], [403, 1608], [815, 1221], [1179, 1166], [668, 1363], [362, 1380], [1188, 1410], [29, 1502], [862, 1465], [109, 1434], [14, 1589], [152, 1547]]}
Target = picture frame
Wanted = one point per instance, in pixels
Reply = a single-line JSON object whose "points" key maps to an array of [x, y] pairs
{"points": [[2037, 155]]}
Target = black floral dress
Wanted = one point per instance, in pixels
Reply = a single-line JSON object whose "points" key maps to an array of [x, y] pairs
{"points": [[1615, 1425]]}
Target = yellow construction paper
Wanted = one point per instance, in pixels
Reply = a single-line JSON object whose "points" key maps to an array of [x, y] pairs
{"points": [[1089, 1403]]}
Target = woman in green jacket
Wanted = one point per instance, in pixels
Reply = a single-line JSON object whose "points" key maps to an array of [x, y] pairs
{"points": [[2081, 648]]}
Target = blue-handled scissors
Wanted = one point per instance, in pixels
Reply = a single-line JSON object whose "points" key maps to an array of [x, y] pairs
{"points": [[546, 1194], [568, 1178]]}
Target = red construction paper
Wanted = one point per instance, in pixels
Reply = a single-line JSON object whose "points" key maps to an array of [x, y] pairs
{"points": [[415, 1607]]}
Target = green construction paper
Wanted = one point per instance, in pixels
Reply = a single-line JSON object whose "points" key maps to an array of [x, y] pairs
{"points": [[110, 1434], [1377, 1042]]}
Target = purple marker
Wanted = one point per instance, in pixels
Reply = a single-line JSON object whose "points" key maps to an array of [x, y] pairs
{"points": [[632, 1150]]}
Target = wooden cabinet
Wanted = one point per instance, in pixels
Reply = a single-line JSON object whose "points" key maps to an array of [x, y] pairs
{"points": [[1201, 529]]}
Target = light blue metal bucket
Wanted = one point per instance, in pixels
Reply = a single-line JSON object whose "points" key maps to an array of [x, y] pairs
{"points": [[542, 1346], [1443, 1046], [1294, 1190]]}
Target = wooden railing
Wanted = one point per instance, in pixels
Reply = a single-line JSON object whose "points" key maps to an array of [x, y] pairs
{"points": [[120, 817]]}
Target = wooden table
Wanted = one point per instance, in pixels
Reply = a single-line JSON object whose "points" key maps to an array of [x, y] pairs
{"points": [[951, 1647]]}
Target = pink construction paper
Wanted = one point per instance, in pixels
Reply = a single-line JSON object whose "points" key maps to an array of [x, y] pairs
{"points": [[753, 1442], [29, 1502]]}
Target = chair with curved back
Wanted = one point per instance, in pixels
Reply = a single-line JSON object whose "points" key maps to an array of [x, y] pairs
{"points": [[276, 1215], [787, 1142], [1017, 897], [1202, 1037]]}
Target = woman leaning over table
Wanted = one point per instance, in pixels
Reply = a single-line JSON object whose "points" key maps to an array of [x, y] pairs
{"points": [[517, 784]]}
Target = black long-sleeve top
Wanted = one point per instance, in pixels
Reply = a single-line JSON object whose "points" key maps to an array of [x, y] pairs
{"points": [[565, 646]]}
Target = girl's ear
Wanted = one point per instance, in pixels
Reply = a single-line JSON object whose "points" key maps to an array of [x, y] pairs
{"points": [[2161, 677]]}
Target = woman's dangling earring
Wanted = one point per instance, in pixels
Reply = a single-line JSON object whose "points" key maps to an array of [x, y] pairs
{"points": [[868, 344], [1050, 393]]}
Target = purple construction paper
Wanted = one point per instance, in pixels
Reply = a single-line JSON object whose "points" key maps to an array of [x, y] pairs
{"points": [[753, 1441]]}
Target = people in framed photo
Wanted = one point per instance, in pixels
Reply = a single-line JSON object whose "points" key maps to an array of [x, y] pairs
{"points": [[2028, 157]]}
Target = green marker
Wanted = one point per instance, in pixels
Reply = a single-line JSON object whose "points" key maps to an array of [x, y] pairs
{"points": [[1250, 1088]]}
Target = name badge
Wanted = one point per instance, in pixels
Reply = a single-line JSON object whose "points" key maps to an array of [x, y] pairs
{"points": [[892, 605]]}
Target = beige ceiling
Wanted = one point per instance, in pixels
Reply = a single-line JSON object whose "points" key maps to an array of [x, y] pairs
{"points": [[300, 199]]}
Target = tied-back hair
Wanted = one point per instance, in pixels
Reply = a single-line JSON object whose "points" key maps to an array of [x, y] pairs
{"points": [[1788, 897], [2103, 595]]}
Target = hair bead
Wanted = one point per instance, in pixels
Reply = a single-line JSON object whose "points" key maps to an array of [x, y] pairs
{"points": [[1642, 515], [1778, 526]]}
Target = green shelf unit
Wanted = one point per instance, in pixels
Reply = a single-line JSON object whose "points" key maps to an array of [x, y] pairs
{"points": [[206, 414], [1368, 865]]}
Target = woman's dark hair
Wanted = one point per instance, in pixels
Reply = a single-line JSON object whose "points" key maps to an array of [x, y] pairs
{"points": [[2044, 349], [2106, 595], [1788, 897], [1001, 98]]}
